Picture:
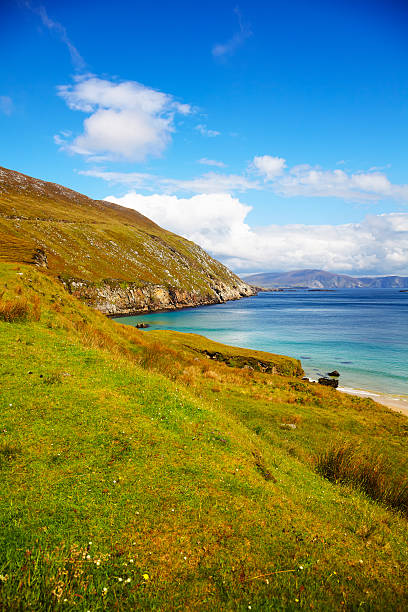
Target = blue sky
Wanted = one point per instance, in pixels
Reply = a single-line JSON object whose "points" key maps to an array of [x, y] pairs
{"points": [[274, 134]]}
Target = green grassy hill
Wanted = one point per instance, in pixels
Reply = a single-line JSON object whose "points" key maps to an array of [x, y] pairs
{"points": [[139, 471], [113, 257]]}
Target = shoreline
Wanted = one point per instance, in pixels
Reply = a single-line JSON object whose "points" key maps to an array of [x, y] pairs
{"points": [[396, 402], [175, 308]]}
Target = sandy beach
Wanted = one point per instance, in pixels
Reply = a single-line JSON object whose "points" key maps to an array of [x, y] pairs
{"points": [[399, 403]]}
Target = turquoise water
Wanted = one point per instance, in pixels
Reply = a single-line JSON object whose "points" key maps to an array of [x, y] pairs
{"points": [[362, 333]]}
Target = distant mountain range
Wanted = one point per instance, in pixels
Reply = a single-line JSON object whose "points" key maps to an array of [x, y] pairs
{"points": [[320, 279]]}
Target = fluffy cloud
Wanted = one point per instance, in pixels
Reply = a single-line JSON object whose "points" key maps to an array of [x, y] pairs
{"points": [[312, 181], [377, 245], [208, 220], [308, 181], [127, 120], [271, 173], [268, 166]]}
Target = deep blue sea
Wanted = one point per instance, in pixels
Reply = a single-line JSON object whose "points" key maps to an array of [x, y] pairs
{"points": [[362, 333]]}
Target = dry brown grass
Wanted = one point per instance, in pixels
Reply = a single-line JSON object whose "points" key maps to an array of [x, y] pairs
{"points": [[190, 375], [211, 374], [159, 358], [22, 308], [72, 575], [14, 311], [94, 337], [35, 314], [345, 463], [56, 306]]}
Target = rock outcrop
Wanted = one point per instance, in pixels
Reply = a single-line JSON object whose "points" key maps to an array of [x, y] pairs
{"points": [[40, 258], [329, 382], [116, 298]]}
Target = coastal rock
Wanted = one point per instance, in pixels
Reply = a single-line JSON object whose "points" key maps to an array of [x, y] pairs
{"points": [[329, 382], [142, 325], [115, 298], [334, 373]]}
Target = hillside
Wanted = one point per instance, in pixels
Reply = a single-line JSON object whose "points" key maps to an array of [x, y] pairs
{"points": [[320, 279], [140, 472], [113, 257]]}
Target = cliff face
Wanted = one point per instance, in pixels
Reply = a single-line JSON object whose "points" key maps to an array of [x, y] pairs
{"points": [[84, 242], [115, 298]]}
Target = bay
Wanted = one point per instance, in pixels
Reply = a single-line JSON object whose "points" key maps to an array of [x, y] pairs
{"points": [[362, 333]]}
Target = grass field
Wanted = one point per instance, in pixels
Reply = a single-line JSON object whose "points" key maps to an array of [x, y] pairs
{"points": [[139, 473]]}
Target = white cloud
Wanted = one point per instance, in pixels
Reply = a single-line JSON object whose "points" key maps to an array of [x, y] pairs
{"points": [[302, 180], [6, 105], [313, 181], [61, 138], [210, 182], [128, 134], [268, 166], [131, 179], [204, 131], [211, 162], [377, 168], [308, 181], [377, 245], [127, 120], [91, 92], [229, 47], [205, 219]]}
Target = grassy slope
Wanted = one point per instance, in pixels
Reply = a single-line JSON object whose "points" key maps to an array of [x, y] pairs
{"points": [[231, 355], [178, 470], [95, 240]]}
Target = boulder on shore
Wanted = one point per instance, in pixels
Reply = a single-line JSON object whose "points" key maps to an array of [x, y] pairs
{"points": [[334, 373], [329, 382]]}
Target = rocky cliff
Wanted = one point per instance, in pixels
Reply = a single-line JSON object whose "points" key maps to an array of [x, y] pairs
{"points": [[117, 298], [114, 258]]}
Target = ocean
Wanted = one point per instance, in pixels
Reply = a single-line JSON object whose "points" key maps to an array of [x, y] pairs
{"points": [[362, 333]]}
